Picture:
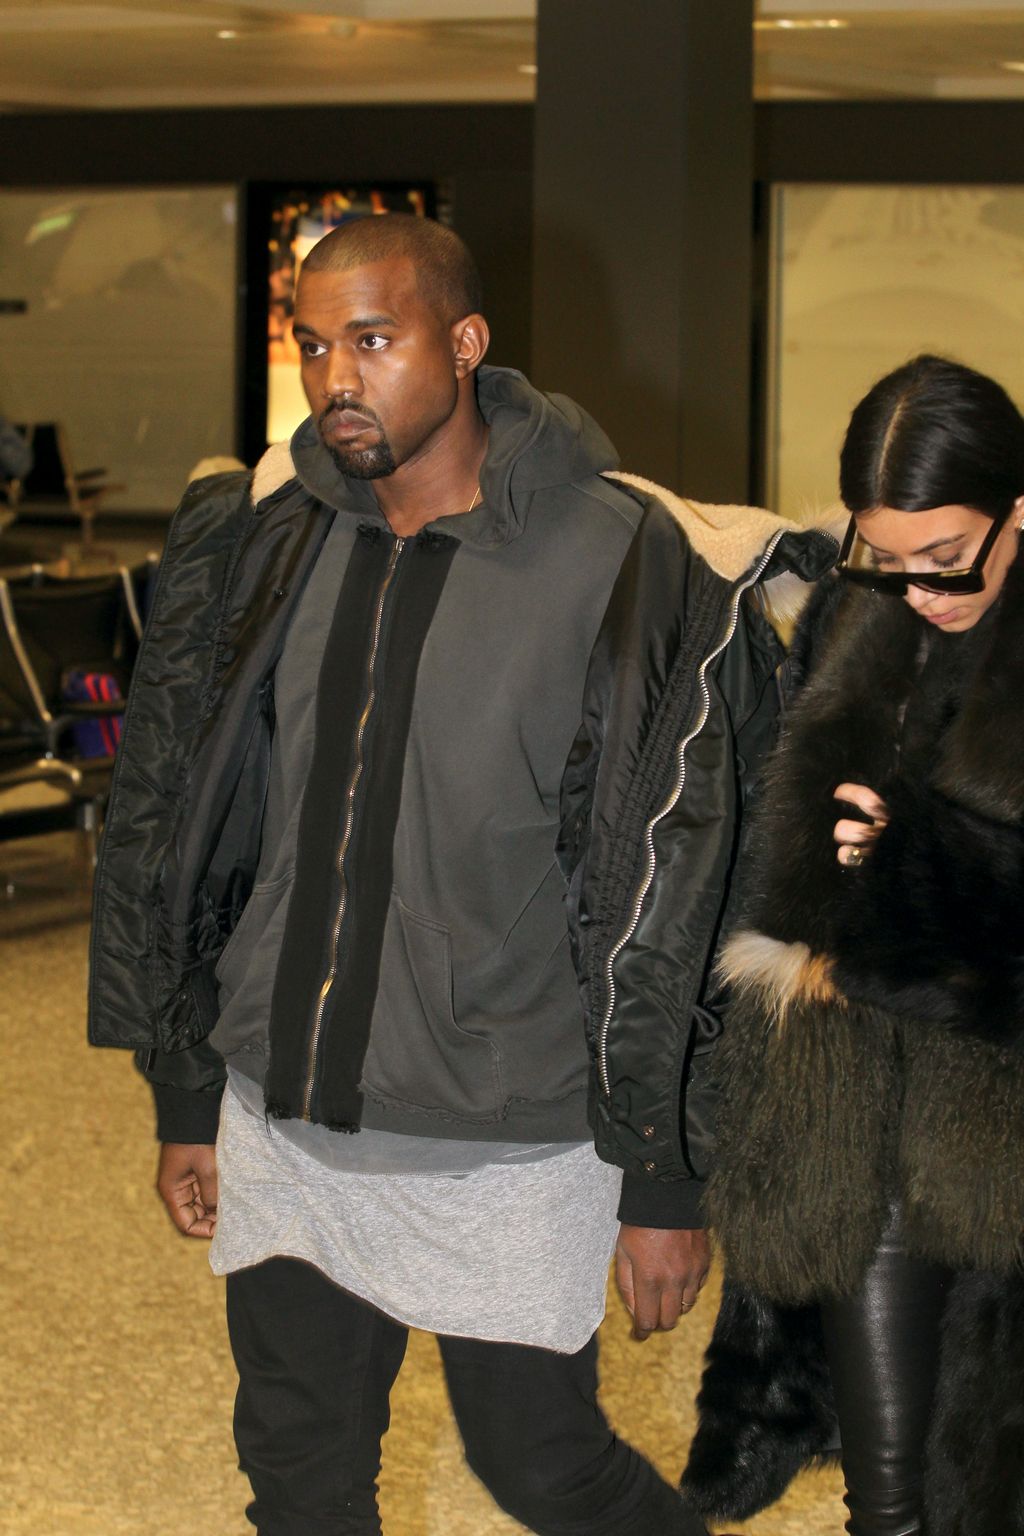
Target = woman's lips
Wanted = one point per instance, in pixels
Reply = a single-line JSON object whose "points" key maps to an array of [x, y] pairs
{"points": [[950, 615]]}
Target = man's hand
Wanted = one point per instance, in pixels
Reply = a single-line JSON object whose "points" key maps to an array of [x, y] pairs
{"points": [[660, 1272], [186, 1182]]}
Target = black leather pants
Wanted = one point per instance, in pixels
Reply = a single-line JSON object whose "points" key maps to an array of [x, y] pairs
{"points": [[883, 1352]]}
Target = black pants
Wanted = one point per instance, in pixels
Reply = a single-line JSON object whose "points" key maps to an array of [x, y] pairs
{"points": [[883, 1355], [316, 1367]]}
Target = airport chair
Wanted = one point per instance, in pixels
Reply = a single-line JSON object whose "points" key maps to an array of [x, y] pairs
{"points": [[31, 732], [47, 631], [33, 573], [83, 788], [48, 627], [53, 485], [101, 596], [142, 577]]}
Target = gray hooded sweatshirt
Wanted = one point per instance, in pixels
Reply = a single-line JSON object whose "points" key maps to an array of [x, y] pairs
{"points": [[476, 1031]]}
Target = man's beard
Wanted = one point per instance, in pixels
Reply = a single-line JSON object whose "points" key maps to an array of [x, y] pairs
{"points": [[364, 463], [361, 463]]}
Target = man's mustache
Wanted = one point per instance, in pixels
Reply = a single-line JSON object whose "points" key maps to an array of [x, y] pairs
{"points": [[346, 408]]}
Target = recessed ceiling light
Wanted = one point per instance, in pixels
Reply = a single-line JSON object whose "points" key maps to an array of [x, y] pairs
{"points": [[527, 69], [1017, 64], [227, 34], [801, 24]]}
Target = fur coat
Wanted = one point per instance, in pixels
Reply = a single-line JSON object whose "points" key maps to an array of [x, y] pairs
{"points": [[875, 1049]]}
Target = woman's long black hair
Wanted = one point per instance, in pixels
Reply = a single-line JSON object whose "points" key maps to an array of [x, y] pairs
{"points": [[934, 433]]}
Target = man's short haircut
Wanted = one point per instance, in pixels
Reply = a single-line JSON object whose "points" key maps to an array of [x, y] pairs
{"points": [[446, 273]]}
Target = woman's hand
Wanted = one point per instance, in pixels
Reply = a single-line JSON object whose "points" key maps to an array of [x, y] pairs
{"points": [[855, 838]]}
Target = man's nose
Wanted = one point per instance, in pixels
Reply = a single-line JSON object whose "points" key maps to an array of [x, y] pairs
{"points": [[342, 376]]}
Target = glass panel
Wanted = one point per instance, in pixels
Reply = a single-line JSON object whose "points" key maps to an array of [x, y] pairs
{"points": [[127, 335], [864, 278]]}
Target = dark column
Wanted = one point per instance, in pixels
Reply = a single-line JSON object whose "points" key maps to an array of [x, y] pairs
{"points": [[642, 229]]}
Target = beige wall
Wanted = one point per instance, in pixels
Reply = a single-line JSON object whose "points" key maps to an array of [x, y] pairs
{"points": [[864, 277]]}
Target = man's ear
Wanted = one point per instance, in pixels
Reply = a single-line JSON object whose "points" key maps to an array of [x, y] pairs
{"points": [[470, 337]]}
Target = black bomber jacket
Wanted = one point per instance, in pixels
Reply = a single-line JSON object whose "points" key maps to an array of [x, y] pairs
{"points": [[679, 708]]}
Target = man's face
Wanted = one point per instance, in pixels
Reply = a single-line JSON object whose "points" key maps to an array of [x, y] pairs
{"points": [[378, 365]]}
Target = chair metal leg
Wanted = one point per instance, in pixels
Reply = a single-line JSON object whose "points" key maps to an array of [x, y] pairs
{"points": [[90, 823]]}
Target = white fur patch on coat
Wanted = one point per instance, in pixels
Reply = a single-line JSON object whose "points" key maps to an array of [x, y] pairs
{"points": [[785, 973]]}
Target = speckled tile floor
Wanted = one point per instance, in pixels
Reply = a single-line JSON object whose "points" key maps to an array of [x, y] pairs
{"points": [[118, 1381]]}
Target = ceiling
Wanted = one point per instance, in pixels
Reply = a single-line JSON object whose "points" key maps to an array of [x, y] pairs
{"points": [[61, 54]]}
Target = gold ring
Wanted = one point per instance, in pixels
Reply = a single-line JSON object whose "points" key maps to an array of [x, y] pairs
{"points": [[854, 857]]}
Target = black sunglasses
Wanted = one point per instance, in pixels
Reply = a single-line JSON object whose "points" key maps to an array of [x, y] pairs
{"points": [[970, 578]]}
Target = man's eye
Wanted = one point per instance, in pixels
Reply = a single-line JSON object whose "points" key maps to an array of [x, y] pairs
{"points": [[373, 343], [312, 348]]}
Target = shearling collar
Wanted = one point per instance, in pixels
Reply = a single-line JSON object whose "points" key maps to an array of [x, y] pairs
{"points": [[731, 539]]}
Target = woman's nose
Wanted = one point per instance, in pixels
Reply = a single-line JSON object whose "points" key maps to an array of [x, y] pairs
{"points": [[919, 599]]}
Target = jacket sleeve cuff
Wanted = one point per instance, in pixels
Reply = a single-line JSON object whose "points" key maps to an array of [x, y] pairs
{"points": [[187, 1114], [648, 1202]]}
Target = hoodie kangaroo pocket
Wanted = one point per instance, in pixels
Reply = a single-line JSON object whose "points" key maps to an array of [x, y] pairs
{"points": [[259, 929], [418, 1056]]}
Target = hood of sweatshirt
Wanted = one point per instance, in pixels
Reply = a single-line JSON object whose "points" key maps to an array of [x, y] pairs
{"points": [[535, 442]]}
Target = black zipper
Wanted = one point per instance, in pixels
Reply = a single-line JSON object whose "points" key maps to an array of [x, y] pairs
{"points": [[358, 764]]}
